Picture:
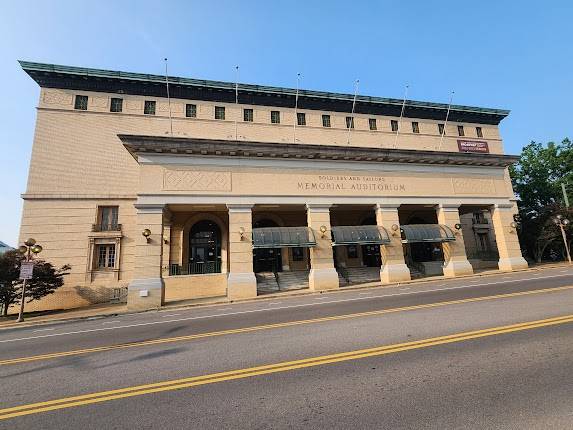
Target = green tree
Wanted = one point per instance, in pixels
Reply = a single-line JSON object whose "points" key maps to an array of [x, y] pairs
{"points": [[45, 281], [537, 179]]}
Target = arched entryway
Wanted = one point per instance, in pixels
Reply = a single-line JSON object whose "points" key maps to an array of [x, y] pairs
{"points": [[204, 248], [420, 252], [266, 259]]}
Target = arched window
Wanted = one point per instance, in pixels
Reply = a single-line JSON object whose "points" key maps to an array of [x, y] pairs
{"points": [[205, 248]]}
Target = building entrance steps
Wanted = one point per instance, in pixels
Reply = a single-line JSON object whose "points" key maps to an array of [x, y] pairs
{"points": [[359, 275], [267, 282]]}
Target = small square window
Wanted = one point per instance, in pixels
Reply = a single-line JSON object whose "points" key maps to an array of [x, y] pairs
{"points": [[461, 130], [441, 129], [415, 127], [394, 125], [219, 112], [248, 115], [349, 122], [479, 132], [149, 107], [275, 117], [190, 110], [326, 120], [372, 124], [81, 103], [301, 118], [116, 105]]}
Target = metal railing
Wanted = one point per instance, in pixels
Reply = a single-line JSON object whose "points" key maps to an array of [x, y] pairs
{"points": [[198, 268], [106, 227]]}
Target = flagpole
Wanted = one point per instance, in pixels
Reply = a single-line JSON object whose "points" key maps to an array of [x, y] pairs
{"points": [[296, 108], [236, 98], [401, 116], [446, 123], [168, 98], [352, 113]]}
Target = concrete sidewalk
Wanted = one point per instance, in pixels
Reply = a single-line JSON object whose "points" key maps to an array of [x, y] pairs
{"points": [[106, 310]]}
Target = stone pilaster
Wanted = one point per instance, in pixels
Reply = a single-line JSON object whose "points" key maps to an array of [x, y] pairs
{"points": [[147, 290], [393, 269], [241, 282], [455, 260], [323, 275], [510, 257]]}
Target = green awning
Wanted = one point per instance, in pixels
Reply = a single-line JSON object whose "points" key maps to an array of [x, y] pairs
{"points": [[415, 233], [283, 237], [359, 234]]}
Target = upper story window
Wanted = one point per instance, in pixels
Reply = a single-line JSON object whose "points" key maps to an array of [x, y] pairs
{"points": [[349, 122], [190, 110], [275, 117], [441, 129], [300, 118], [461, 130], [248, 115], [326, 120], [219, 112], [372, 124], [81, 103], [394, 125], [107, 218], [479, 132], [149, 107], [116, 105], [415, 127]]}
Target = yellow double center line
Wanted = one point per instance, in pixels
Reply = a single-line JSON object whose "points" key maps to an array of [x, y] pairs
{"points": [[27, 359], [177, 384]]}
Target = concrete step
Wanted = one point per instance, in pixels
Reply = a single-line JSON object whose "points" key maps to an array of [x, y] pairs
{"points": [[266, 282], [294, 280]]}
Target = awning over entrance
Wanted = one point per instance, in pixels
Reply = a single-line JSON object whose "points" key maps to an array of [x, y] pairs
{"points": [[413, 233], [359, 234], [283, 237]]}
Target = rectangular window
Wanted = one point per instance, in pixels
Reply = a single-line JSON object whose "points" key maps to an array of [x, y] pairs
{"points": [[219, 112], [441, 129], [372, 124], [352, 251], [326, 120], [149, 107], [81, 103], [461, 130], [105, 256], [248, 115], [415, 127], [275, 117], [190, 110], [107, 218], [349, 122], [297, 254], [479, 133], [116, 105], [301, 118], [394, 125]]}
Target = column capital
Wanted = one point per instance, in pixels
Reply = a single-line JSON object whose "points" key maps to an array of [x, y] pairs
{"points": [[386, 206], [149, 208], [240, 207], [448, 206], [318, 207], [506, 206]]}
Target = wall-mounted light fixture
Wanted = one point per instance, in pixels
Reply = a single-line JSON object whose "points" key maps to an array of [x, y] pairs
{"points": [[458, 226], [242, 232], [513, 225], [323, 229], [395, 229], [146, 234]]}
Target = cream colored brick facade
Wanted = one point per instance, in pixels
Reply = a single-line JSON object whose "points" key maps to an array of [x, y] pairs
{"points": [[79, 164]]}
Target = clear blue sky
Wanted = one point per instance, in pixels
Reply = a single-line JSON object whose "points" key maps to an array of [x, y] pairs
{"points": [[516, 55]]}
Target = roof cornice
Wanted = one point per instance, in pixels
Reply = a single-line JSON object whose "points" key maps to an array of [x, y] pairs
{"points": [[139, 145]]}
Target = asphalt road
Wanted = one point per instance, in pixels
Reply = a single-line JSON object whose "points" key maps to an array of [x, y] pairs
{"points": [[487, 352]]}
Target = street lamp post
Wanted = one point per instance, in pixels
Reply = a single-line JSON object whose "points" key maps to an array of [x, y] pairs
{"points": [[29, 247], [562, 222]]}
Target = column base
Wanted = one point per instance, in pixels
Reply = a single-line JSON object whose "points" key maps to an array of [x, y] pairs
{"points": [[458, 268], [144, 294], [323, 279], [241, 286], [511, 264], [392, 273]]}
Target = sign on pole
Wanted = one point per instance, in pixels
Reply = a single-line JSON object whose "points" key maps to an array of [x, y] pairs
{"points": [[26, 270]]}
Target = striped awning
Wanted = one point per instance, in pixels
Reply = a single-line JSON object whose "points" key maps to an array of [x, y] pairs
{"points": [[283, 237], [359, 234], [415, 233]]}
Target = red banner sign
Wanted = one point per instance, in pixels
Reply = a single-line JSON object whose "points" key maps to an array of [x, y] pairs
{"points": [[473, 146]]}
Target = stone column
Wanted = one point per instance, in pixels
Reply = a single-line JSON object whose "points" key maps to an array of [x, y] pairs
{"points": [[166, 259], [455, 260], [147, 290], [241, 281], [510, 257], [323, 275], [393, 269]]}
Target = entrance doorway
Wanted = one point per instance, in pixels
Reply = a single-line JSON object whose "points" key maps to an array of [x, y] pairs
{"points": [[267, 259], [205, 248]]}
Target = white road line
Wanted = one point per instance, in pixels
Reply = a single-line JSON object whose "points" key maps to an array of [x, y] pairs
{"points": [[274, 303], [404, 289], [110, 322], [364, 294], [170, 315], [44, 329], [302, 305]]}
